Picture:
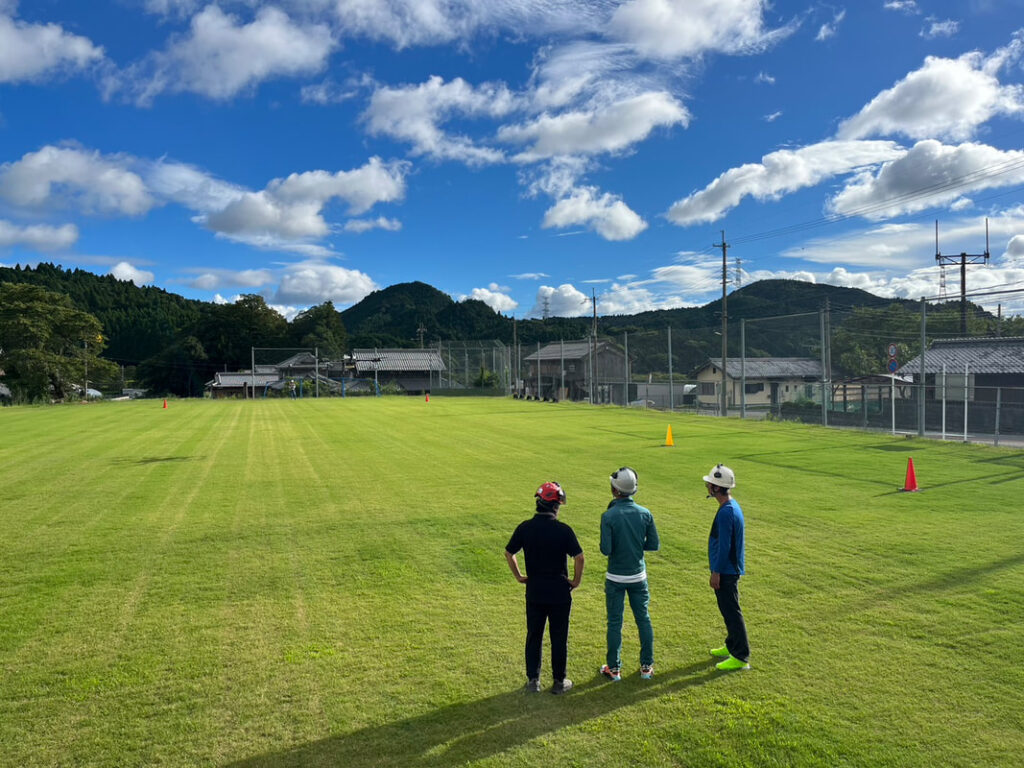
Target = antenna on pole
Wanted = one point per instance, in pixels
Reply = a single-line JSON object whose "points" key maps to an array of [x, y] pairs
{"points": [[963, 259]]}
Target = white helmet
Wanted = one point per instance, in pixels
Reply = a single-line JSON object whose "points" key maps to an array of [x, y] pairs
{"points": [[721, 476], [624, 480]]}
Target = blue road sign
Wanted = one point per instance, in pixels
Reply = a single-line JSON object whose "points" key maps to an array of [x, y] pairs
{"points": [[893, 365]]}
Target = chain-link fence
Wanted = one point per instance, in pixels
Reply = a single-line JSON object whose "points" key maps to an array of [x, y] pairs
{"points": [[473, 368], [844, 366]]}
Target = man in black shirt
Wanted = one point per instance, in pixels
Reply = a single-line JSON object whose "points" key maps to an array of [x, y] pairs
{"points": [[546, 543]]}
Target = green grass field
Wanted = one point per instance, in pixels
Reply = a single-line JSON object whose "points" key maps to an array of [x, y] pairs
{"points": [[322, 583]]}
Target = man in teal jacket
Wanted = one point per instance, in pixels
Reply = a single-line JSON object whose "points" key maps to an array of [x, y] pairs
{"points": [[627, 531]]}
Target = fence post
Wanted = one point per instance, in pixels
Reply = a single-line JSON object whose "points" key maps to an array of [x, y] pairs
{"points": [[943, 401], [671, 402], [824, 373], [999, 403], [561, 368], [922, 391], [538, 371], [743, 367], [966, 394], [625, 391]]}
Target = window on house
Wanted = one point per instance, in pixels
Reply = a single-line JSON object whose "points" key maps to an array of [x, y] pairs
{"points": [[754, 388], [707, 388]]}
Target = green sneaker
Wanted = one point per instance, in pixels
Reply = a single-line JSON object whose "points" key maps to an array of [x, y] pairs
{"points": [[723, 652], [732, 663]]}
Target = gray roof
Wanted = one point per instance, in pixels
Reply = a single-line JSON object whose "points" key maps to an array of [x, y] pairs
{"points": [[979, 355], [241, 379], [397, 360], [769, 367], [299, 360], [571, 350]]}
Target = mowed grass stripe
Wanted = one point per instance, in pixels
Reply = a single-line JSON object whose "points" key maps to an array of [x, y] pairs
{"points": [[329, 590]]}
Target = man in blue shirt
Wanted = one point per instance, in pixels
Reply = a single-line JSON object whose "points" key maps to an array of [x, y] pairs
{"points": [[725, 559], [546, 543], [627, 531]]}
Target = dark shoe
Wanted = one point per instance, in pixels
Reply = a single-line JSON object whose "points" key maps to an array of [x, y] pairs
{"points": [[533, 685], [561, 687]]}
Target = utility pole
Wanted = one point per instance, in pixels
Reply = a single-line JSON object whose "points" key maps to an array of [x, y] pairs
{"points": [[593, 348], [419, 332], [964, 259], [724, 408]]}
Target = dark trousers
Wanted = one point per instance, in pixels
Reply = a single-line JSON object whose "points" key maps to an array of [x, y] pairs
{"points": [[556, 615], [728, 595]]}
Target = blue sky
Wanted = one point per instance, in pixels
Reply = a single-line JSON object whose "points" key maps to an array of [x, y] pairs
{"points": [[525, 152]]}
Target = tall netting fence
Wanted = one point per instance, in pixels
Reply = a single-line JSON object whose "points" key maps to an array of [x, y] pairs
{"points": [[936, 367], [473, 368]]}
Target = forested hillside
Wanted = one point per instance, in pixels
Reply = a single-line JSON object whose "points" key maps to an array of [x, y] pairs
{"points": [[170, 344]]}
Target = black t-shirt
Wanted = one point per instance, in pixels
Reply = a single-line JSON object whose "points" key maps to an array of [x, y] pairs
{"points": [[546, 543]]}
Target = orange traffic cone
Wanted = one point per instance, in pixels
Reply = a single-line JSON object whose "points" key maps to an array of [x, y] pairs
{"points": [[428, 397], [910, 484], [165, 403], [669, 442]]}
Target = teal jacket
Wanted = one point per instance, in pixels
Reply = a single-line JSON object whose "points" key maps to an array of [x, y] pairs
{"points": [[627, 531]]}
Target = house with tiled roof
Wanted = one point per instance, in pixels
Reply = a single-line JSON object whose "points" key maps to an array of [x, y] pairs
{"points": [[765, 380], [972, 369], [414, 370]]}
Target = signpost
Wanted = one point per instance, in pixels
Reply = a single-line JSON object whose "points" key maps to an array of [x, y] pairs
{"points": [[892, 349]]}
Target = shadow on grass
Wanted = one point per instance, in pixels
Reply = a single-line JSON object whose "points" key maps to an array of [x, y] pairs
{"points": [[143, 460], [462, 733], [963, 576]]}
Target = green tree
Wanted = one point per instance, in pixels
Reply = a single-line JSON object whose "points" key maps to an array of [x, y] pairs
{"points": [[47, 347], [179, 369], [321, 327]]}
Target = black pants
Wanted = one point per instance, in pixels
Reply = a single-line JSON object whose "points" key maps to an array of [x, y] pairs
{"points": [[728, 595], [557, 617]]}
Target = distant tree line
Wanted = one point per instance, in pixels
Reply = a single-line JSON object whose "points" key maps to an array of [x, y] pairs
{"points": [[59, 328]]}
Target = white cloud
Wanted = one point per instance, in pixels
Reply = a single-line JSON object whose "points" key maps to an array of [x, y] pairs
{"points": [[32, 52], [289, 313], [414, 113], [70, 177], [829, 29], [563, 301], [292, 208], [672, 29], [764, 77], [407, 23], [125, 271], [945, 98], [773, 117], [328, 92], [698, 278], [530, 276], [630, 300], [908, 7], [37, 236], [946, 28], [221, 56], [777, 174], [191, 187], [902, 247], [365, 225], [494, 296], [605, 213], [208, 280], [928, 175], [608, 128], [313, 282]]}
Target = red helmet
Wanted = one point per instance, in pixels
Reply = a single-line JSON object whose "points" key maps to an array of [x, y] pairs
{"points": [[551, 493]]}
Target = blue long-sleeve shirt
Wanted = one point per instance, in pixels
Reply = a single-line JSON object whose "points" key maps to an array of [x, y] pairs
{"points": [[725, 544], [627, 531]]}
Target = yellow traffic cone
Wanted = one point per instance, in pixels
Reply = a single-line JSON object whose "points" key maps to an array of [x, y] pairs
{"points": [[668, 437]]}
